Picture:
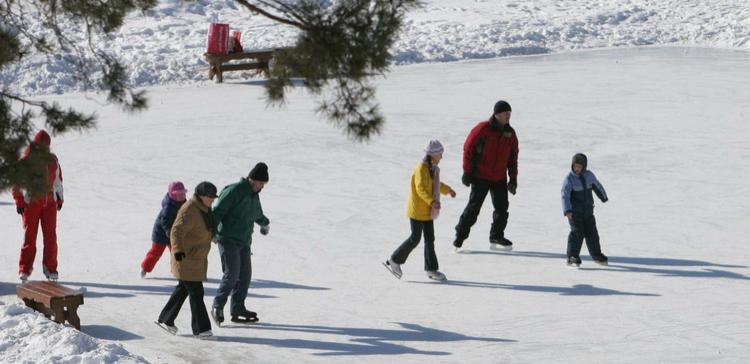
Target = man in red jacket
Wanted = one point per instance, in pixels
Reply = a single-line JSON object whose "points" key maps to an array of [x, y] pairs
{"points": [[490, 165], [42, 208]]}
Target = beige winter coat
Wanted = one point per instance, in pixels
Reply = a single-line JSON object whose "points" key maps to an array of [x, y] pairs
{"points": [[191, 235]]}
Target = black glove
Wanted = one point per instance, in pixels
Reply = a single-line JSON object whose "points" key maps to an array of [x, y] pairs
{"points": [[467, 179], [59, 206], [512, 185], [19, 210], [178, 256]]}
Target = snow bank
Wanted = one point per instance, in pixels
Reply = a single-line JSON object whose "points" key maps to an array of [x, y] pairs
{"points": [[166, 45], [27, 336]]}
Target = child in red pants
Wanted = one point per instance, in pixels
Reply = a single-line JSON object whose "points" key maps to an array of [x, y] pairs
{"points": [[40, 210], [163, 225]]}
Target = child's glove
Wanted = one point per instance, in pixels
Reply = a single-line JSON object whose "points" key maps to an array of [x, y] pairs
{"points": [[178, 256], [59, 205], [264, 229], [512, 185], [19, 210]]}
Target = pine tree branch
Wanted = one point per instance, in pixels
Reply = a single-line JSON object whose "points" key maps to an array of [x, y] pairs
{"points": [[268, 15]]}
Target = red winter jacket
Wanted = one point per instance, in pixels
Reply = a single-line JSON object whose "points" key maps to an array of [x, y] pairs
{"points": [[54, 174], [490, 151]]}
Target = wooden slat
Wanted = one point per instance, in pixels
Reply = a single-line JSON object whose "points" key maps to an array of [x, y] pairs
{"points": [[242, 66]]}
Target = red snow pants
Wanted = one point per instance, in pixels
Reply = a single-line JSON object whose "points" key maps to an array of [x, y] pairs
{"points": [[44, 211], [153, 255]]}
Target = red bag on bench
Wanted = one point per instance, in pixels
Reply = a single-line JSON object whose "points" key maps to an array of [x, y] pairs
{"points": [[218, 34]]}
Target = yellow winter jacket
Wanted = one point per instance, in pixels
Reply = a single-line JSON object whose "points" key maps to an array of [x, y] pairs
{"points": [[420, 196]]}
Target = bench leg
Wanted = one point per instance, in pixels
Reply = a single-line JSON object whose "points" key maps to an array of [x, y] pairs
{"points": [[71, 315], [59, 313]]}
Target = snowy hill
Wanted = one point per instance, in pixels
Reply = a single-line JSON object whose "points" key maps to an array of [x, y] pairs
{"points": [[665, 129], [167, 44]]}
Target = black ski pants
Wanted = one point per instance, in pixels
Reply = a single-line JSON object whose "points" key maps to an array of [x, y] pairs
{"points": [[194, 290], [499, 194], [417, 227], [583, 227]]}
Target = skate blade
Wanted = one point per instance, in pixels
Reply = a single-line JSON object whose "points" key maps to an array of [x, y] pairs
{"points": [[501, 248], [602, 263], [164, 327], [390, 270]]}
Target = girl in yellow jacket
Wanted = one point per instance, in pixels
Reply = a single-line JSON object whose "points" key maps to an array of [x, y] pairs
{"points": [[422, 208]]}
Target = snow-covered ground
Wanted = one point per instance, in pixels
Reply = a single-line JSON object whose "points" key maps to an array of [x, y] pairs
{"points": [[166, 45], [665, 130]]}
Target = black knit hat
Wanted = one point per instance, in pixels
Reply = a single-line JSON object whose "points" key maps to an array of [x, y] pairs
{"points": [[501, 106], [259, 172], [581, 159], [206, 189]]}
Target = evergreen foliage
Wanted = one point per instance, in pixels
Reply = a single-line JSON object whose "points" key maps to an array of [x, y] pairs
{"points": [[341, 45]]}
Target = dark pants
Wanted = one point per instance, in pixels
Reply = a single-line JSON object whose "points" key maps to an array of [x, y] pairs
{"points": [[430, 258], [237, 268], [199, 321], [499, 193], [583, 227]]}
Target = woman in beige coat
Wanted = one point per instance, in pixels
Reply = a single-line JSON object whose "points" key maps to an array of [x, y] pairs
{"points": [[191, 240]]}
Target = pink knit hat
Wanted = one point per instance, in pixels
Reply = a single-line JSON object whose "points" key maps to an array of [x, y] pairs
{"points": [[175, 189], [433, 148]]}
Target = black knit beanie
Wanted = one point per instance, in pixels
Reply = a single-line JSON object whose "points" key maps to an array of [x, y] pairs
{"points": [[259, 172], [501, 106]]}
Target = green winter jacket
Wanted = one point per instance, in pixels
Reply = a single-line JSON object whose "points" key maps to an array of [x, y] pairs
{"points": [[236, 211]]}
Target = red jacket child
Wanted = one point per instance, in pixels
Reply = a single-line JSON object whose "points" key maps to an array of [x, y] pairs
{"points": [[40, 209]]}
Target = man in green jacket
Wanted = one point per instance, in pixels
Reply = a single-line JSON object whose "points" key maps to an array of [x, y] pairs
{"points": [[236, 212]]}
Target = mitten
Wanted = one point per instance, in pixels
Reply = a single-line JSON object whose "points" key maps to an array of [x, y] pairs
{"points": [[178, 256], [264, 229], [19, 210]]}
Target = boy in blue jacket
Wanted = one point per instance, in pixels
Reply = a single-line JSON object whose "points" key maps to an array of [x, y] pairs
{"points": [[578, 207]]}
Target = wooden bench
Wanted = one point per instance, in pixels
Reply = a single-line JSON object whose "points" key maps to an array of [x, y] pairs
{"points": [[259, 60], [51, 299]]}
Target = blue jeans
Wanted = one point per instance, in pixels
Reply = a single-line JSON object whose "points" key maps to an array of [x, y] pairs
{"points": [[235, 263]]}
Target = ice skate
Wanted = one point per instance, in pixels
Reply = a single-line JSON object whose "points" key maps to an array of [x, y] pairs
{"points": [[394, 268], [218, 316], [435, 275], [574, 262], [172, 329], [51, 276], [246, 317], [503, 245], [601, 259]]}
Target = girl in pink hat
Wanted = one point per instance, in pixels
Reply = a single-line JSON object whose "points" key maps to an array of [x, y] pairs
{"points": [[170, 204]]}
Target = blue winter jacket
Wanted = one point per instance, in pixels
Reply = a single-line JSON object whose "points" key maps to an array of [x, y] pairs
{"points": [[165, 219], [576, 193]]}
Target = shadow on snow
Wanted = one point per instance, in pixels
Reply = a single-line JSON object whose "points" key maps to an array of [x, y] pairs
{"points": [[107, 332], [363, 341], [641, 265], [575, 290]]}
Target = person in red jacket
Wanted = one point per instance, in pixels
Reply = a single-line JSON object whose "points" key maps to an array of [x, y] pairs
{"points": [[40, 209], [490, 165]]}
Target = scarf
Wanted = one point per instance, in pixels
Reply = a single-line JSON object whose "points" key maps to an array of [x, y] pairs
{"points": [[434, 212]]}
